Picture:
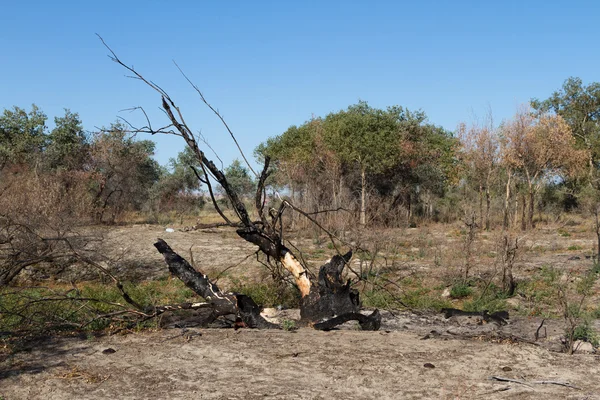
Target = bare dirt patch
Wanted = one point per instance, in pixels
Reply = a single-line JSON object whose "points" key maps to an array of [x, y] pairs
{"points": [[413, 355], [302, 364]]}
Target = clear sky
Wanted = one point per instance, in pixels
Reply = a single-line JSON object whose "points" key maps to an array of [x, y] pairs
{"points": [[268, 65]]}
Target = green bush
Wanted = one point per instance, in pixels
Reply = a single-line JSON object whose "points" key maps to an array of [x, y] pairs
{"points": [[460, 290], [586, 333]]}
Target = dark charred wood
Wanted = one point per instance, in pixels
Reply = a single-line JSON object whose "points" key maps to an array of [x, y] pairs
{"points": [[332, 296], [330, 274], [243, 307], [270, 246], [260, 191], [249, 313], [193, 279], [327, 304], [370, 322]]}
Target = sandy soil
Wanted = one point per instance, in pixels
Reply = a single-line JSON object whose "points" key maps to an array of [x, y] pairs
{"points": [[413, 356], [305, 364]]}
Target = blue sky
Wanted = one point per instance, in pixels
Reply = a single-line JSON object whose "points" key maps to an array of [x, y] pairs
{"points": [[268, 65]]}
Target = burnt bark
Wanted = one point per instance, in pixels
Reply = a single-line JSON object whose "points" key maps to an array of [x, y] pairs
{"points": [[370, 322], [242, 306], [331, 302], [331, 296]]}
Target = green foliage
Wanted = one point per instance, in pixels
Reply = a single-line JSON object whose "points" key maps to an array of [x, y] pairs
{"points": [[240, 180], [460, 290], [22, 135], [492, 301], [366, 136], [585, 332], [422, 298], [51, 309], [67, 143], [289, 325], [392, 152]]}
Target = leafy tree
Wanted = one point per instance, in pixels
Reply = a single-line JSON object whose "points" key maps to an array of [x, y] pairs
{"points": [[538, 149], [240, 180], [579, 106], [22, 135], [67, 143], [366, 137], [393, 153], [124, 171]]}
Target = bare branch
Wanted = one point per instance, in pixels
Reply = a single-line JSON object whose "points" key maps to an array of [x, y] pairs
{"points": [[216, 112]]}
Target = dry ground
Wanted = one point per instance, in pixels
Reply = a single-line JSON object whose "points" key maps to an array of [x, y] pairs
{"points": [[305, 364]]}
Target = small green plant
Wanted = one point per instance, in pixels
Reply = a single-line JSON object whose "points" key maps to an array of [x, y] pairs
{"points": [[460, 290], [572, 297], [563, 233], [585, 333], [288, 325], [574, 247]]}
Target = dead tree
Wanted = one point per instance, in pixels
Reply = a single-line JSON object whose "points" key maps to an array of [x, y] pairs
{"points": [[326, 300]]}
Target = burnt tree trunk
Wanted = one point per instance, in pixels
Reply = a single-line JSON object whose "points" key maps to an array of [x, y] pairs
{"points": [[243, 307]]}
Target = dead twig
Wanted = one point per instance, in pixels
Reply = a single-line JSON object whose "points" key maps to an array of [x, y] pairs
{"points": [[502, 379], [537, 332], [565, 384]]}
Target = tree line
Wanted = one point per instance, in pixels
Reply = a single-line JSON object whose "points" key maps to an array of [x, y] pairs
{"points": [[101, 174], [393, 167], [385, 167]]}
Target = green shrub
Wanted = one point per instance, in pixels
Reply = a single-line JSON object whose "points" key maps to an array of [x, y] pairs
{"points": [[586, 333], [288, 325], [460, 290]]}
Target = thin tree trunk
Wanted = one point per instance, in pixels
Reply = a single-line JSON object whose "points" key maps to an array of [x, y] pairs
{"points": [[516, 210], [480, 205], [524, 212], [488, 201], [408, 209], [597, 217], [506, 221], [363, 197], [531, 208]]}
